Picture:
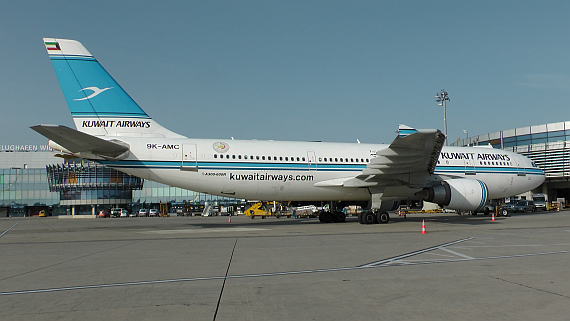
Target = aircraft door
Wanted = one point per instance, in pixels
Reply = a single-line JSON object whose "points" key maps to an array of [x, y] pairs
{"points": [[312, 160], [520, 167], [189, 158], [469, 166]]}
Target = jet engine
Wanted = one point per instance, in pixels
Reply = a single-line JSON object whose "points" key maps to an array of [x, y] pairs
{"points": [[457, 194], [389, 206]]}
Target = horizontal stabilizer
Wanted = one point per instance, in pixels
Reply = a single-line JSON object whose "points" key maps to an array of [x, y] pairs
{"points": [[79, 142]]}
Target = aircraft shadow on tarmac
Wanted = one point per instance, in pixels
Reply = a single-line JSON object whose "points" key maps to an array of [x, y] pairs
{"points": [[480, 219]]}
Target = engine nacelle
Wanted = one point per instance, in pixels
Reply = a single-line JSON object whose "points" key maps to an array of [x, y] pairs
{"points": [[385, 206], [458, 194], [389, 206]]}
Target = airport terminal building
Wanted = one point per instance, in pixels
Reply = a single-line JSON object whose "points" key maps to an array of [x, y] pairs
{"points": [[33, 179], [547, 145]]}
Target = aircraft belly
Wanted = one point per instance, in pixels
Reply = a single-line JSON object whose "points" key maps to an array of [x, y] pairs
{"points": [[270, 185]]}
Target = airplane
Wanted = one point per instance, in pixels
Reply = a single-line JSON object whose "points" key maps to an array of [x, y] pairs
{"points": [[113, 130]]}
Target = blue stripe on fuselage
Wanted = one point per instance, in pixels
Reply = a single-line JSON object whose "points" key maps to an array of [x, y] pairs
{"points": [[441, 170]]}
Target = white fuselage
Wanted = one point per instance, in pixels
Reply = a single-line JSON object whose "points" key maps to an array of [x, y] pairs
{"points": [[288, 171]]}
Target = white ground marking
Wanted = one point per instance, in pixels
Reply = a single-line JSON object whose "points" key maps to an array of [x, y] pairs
{"points": [[453, 252]]}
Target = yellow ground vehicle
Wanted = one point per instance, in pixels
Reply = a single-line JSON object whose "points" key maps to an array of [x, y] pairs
{"points": [[265, 209], [259, 209], [42, 213]]}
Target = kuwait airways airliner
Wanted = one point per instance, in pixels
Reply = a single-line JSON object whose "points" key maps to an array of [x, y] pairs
{"points": [[110, 128]]}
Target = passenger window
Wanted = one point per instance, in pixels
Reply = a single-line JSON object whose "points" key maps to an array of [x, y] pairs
{"points": [[262, 157], [234, 156], [215, 155], [257, 157], [336, 159], [286, 158], [303, 159]]}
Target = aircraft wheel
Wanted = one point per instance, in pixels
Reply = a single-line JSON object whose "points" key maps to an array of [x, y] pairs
{"points": [[383, 217], [505, 213], [327, 217], [339, 217], [361, 218], [369, 218]]}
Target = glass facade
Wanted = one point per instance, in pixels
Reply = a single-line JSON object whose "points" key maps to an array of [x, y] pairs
{"points": [[531, 135], [547, 145], [33, 180], [25, 187], [91, 183]]}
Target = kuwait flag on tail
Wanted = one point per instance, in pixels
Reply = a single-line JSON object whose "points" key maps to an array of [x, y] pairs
{"points": [[52, 46]]}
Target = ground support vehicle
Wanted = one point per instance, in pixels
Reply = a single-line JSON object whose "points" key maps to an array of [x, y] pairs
{"points": [[259, 209], [265, 209], [540, 201], [306, 211], [116, 212], [103, 214], [522, 206]]}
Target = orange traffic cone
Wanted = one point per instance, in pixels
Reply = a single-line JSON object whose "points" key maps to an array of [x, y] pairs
{"points": [[229, 218], [423, 227], [492, 216]]}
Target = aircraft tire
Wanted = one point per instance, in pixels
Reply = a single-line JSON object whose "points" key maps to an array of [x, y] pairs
{"points": [[338, 217], [360, 218], [327, 217], [382, 217], [369, 218]]}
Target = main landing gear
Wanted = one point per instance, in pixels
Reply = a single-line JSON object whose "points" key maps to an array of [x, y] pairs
{"points": [[363, 218], [332, 217], [373, 217]]}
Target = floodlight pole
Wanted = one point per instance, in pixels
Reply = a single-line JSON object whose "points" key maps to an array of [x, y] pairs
{"points": [[441, 98]]}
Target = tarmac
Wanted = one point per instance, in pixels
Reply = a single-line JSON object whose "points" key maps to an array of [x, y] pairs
{"points": [[206, 268]]}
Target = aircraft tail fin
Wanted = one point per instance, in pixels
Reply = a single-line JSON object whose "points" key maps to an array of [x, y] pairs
{"points": [[98, 104]]}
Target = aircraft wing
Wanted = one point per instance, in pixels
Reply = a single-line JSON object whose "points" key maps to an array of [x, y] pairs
{"points": [[77, 142], [413, 152]]}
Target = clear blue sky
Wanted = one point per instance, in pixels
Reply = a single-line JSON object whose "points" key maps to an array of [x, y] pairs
{"points": [[298, 70]]}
